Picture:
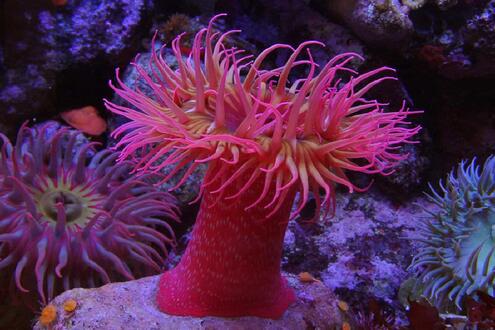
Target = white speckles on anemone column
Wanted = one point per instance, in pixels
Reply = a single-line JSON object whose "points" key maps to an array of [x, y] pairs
{"points": [[232, 264]]}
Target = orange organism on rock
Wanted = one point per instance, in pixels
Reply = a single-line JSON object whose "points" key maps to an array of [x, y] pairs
{"points": [[48, 315], [70, 305]]}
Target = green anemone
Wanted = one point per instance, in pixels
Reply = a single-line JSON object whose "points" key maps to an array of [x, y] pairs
{"points": [[458, 253]]}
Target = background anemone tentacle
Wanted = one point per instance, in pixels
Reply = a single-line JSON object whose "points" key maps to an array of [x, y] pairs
{"points": [[72, 217], [458, 253], [305, 135]]}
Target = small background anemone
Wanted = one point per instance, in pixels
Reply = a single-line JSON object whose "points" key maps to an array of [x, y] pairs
{"points": [[70, 217], [458, 255]]}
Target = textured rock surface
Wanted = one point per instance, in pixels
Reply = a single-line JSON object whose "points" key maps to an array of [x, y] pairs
{"points": [[383, 23], [58, 58], [131, 305], [363, 252], [88, 29], [455, 38], [407, 177], [369, 244]]}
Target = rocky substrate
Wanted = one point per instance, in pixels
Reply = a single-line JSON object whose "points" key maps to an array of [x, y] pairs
{"points": [[131, 305], [362, 252]]}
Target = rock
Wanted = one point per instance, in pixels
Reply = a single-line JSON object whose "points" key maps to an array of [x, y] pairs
{"points": [[85, 30], [480, 37], [383, 23], [363, 252], [131, 305], [58, 58], [408, 175], [455, 38], [457, 43], [270, 26]]}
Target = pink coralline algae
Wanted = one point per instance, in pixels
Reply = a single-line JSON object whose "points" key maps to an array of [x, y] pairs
{"points": [[264, 140], [71, 217]]}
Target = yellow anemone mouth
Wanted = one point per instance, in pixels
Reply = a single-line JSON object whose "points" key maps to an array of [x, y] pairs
{"points": [[79, 203]]}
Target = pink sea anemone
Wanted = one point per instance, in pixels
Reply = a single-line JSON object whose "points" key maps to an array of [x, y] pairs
{"points": [[264, 140], [69, 219]]}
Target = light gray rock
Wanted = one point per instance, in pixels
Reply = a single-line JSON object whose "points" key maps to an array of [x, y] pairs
{"points": [[131, 305]]}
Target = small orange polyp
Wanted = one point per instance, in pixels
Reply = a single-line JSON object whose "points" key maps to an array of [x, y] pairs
{"points": [[70, 305], [48, 315]]}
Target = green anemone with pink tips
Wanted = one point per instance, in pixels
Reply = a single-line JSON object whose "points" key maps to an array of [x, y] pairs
{"points": [[72, 217]]}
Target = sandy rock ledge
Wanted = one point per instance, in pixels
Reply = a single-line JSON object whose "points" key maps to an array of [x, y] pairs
{"points": [[131, 305]]}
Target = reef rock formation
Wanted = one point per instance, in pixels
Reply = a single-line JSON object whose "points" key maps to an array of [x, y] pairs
{"points": [[56, 57], [131, 305]]}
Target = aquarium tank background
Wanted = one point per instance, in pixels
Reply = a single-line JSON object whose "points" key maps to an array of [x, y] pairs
{"points": [[247, 164]]}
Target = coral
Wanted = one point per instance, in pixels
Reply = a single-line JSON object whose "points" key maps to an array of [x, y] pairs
{"points": [[70, 217], [458, 253], [414, 4], [263, 141], [417, 4], [58, 55], [455, 36], [362, 250], [457, 42]]}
